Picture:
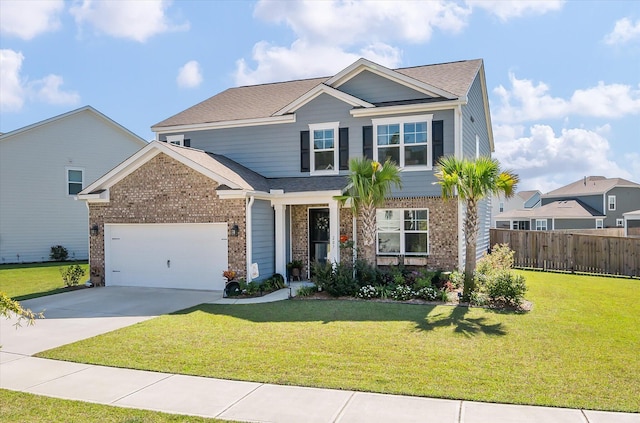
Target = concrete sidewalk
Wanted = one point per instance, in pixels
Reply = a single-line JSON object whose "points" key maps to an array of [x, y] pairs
{"points": [[82, 314], [259, 402]]}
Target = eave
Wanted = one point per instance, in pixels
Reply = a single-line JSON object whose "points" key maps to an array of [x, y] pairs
{"points": [[408, 108], [271, 120]]}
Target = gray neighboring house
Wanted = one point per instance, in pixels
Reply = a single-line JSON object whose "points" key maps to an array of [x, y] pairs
{"points": [[43, 167], [523, 200], [246, 179], [594, 202]]}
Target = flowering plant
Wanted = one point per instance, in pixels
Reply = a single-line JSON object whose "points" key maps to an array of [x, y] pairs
{"points": [[229, 274]]}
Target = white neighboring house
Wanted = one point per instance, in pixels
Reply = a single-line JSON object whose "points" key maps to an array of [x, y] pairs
{"points": [[42, 168], [522, 200]]}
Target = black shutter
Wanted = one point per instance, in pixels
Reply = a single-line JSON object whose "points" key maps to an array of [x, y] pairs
{"points": [[437, 146], [187, 143], [344, 148], [367, 142], [304, 151]]}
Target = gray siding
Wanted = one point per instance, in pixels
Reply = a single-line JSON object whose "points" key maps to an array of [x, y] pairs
{"points": [[531, 202], [475, 108], [574, 224], [627, 199], [263, 240], [376, 89]]}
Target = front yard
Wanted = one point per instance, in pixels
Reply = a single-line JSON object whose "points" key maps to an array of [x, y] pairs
{"points": [[577, 348], [25, 281]]}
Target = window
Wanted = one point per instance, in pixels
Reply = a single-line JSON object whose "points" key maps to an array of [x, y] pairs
{"points": [[404, 141], [619, 223], [501, 206], [612, 202], [403, 231], [541, 224], [175, 139], [324, 149], [599, 224], [75, 180]]}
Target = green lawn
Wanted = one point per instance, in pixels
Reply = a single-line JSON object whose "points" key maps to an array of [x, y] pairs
{"points": [[23, 407], [24, 281], [577, 348]]}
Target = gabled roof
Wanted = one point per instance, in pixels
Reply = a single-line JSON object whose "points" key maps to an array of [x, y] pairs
{"points": [[590, 185], [263, 103], [569, 209], [69, 114], [526, 195]]}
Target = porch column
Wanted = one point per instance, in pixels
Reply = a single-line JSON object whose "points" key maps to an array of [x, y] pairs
{"points": [[334, 232], [281, 245]]}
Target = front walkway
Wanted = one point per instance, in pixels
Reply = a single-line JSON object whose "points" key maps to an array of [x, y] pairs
{"points": [[225, 399]]}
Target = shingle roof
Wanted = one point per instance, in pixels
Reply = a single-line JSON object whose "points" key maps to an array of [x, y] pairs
{"points": [[306, 184], [262, 101], [590, 185], [526, 195], [568, 209]]}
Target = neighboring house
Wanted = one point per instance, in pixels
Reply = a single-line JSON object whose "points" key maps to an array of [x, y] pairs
{"points": [[632, 223], [523, 200], [42, 168], [594, 202], [246, 179]]}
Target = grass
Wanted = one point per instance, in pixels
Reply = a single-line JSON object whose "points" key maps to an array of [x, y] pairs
{"points": [[24, 407], [25, 281], [577, 348]]}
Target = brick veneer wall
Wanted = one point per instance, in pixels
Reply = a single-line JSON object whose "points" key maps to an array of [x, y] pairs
{"points": [[164, 190]]}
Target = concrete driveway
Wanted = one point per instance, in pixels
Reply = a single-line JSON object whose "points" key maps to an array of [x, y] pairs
{"points": [[85, 313]]}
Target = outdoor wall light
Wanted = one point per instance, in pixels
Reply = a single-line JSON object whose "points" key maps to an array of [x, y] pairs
{"points": [[94, 230], [235, 230]]}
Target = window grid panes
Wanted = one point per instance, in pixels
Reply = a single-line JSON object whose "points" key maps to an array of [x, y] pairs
{"points": [[403, 231], [324, 148], [74, 181], [405, 144], [541, 224], [612, 202]]}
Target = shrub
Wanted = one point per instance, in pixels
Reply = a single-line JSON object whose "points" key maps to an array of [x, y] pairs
{"points": [[478, 299], [252, 288], [321, 274], [428, 293], [506, 287], [367, 292], [59, 253], [306, 291], [365, 273], [71, 275], [424, 280], [457, 279], [402, 293], [336, 279], [384, 291], [500, 258]]}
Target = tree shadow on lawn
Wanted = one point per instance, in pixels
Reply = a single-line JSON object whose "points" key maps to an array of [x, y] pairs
{"points": [[425, 317]]}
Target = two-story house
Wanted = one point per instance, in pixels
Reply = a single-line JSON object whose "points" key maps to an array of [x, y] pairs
{"points": [[523, 200], [247, 178], [43, 166], [594, 202]]}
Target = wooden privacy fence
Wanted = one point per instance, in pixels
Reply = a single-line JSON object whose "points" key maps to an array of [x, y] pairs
{"points": [[550, 250]]}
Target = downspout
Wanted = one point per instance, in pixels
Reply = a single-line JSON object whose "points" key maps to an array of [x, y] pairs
{"points": [[249, 235]]}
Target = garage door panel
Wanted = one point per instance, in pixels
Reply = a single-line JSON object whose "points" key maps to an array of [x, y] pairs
{"points": [[188, 256]]}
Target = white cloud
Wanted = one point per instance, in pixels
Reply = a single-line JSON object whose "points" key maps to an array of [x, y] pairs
{"points": [[528, 102], [189, 75], [11, 90], [545, 160], [624, 31], [133, 19], [27, 19], [333, 34], [47, 90], [506, 10], [15, 89]]}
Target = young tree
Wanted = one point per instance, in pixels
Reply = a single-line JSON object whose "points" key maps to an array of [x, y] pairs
{"points": [[369, 185], [471, 181]]}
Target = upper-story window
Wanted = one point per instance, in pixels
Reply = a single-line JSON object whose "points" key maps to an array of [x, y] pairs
{"points": [[324, 148], [611, 203], [501, 207], [75, 180], [404, 140], [175, 139]]}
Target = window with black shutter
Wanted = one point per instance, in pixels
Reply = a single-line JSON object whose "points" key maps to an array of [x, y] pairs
{"points": [[304, 152], [344, 148], [367, 142], [437, 134]]}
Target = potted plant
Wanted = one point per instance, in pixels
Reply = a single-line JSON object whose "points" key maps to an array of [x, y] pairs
{"points": [[231, 288], [294, 267]]}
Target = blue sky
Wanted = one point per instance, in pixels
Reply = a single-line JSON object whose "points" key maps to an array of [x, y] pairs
{"points": [[563, 77]]}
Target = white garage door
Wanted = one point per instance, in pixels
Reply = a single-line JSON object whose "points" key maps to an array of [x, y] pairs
{"points": [[186, 256]]}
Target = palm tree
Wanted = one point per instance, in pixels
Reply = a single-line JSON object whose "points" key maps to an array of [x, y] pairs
{"points": [[473, 180], [369, 184]]}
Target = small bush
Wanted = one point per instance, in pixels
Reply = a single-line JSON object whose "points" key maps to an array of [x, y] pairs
{"points": [[457, 279], [71, 275], [367, 292], [321, 274], [365, 273], [252, 288], [59, 253], [384, 291], [506, 287], [424, 280], [428, 293], [278, 281], [501, 258], [336, 279], [402, 293], [306, 291]]}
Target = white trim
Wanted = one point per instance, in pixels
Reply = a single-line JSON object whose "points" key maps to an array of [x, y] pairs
{"points": [[249, 235], [407, 108], [271, 120], [317, 91], [619, 223], [457, 132], [611, 203], [280, 238], [336, 148], [541, 226], [477, 146], [485, 101], [599, 223], [67, 181], [362, 65], [402, 232], [401, 146], [176, 140]]}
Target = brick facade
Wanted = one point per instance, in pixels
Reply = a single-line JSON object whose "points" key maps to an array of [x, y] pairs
{"points": [[164, 190]]}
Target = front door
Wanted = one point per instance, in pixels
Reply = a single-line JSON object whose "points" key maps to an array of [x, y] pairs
{"points": [[318, 235]]}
